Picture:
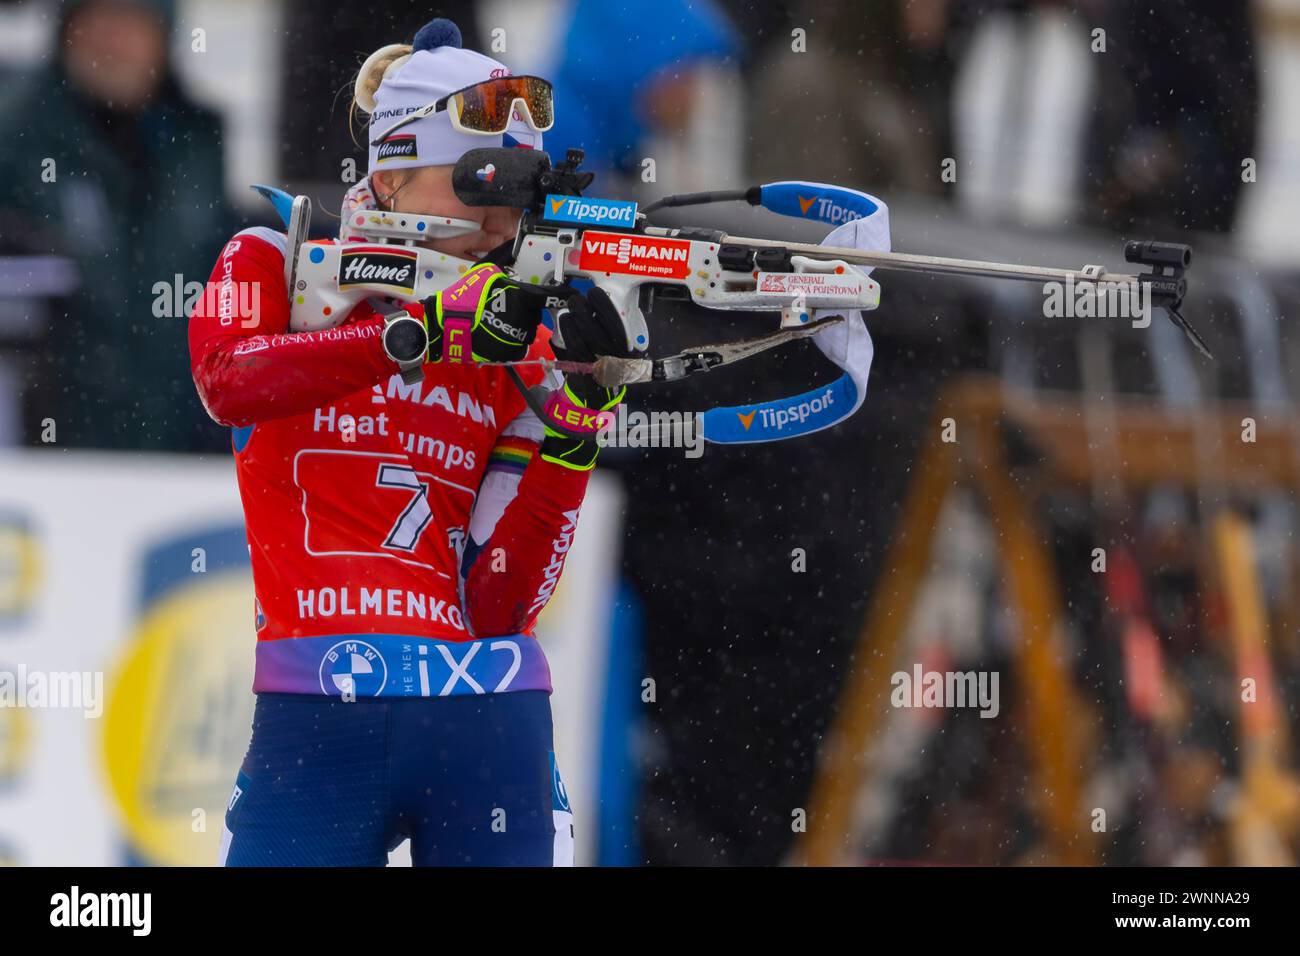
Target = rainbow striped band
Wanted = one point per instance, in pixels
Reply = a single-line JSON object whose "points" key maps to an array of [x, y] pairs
{"points": [[511, 454]]}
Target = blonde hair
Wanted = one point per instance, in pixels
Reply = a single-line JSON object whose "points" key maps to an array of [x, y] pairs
{"points": [[377, 66]]}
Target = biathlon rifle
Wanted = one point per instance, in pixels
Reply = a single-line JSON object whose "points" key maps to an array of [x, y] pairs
{"points": [[564, 236]]}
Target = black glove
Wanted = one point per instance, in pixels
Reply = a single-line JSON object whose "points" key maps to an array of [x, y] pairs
{"points": [[501, 255], [588, 328], [505, 323]]}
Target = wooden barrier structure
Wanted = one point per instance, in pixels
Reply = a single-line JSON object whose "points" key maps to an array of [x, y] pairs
{"points": [[1148, 445]]}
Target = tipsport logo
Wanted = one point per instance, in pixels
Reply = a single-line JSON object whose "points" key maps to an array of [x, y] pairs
{"points": [[833, 205], [827, 210], [591, 212], [801, 415]]}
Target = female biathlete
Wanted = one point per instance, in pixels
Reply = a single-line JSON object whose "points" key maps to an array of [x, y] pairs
{"points": [[404, 533]]}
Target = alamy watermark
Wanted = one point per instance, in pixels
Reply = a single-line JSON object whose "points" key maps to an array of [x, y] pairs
{"points": [[1086, 300], [639, 429], [946, 690], [229, 301], [133, 911], [53, 690]]}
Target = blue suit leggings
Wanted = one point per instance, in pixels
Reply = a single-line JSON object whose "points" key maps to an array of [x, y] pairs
{"points": [[471, 780]]}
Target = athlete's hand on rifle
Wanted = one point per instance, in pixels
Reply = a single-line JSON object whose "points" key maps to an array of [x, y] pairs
{"points": [[588, 328], [484, 316]]}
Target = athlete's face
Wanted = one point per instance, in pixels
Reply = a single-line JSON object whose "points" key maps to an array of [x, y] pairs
{"points": [[426, 191]]}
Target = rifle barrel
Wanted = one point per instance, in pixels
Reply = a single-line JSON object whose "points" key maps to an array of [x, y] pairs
{"points": [[905, 262]]}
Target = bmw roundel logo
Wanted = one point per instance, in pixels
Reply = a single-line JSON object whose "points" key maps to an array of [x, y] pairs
{"points": [[353, 668]]}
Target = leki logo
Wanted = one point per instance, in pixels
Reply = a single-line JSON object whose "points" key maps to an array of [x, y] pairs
{"points": [[455, 342], [634, 255], [747, 420], [464, 285]]}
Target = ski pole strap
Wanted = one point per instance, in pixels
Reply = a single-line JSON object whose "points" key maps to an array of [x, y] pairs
{"points": [[456, 338], [571, 417], [859, 218], [537, 398], [789, 417]]}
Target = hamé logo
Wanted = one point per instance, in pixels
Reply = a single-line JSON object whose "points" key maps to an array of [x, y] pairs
{"points": [[397, 146], [371, 267]]}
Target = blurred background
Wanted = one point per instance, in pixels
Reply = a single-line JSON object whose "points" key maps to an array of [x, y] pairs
{"points": [[1093, 512]]}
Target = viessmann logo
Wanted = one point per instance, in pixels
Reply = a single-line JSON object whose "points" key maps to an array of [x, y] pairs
{"points": [[394, 269], [634, 255], [594, 212]]}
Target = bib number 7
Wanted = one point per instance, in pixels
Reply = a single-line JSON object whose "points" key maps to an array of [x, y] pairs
{"points": [[405, 533], [363, 503]]}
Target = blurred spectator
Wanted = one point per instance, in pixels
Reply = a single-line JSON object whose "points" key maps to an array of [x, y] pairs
{"points": [[613, 87], [1177, 118], [106, 161], [865, 102]]}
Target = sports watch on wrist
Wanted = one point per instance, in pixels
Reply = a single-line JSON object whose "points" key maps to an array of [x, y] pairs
{"points": [[406, 340]]}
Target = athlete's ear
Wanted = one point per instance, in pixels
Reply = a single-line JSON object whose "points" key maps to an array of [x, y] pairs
{"points": [[381, 184]]}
